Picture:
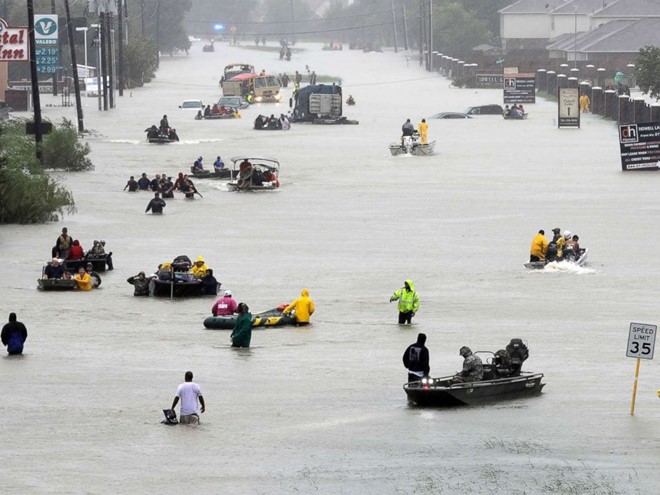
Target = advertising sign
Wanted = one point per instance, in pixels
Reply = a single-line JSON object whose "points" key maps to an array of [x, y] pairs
{"points": [[568, 102], [489, 80], [640, 146], [14, 43], [519, 88], [46, 38]]}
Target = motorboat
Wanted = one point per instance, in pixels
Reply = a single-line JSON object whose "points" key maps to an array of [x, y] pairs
{"points": [[411, 145], [56, 284], [254, 173], [271, 318], [442, 392], [579, 260], [98, 262], [224, 173], [177, 281], [160, 139], [515, 117], [503, 379]]}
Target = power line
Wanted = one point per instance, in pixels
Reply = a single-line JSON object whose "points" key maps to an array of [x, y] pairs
{"points": [[289, 22]]}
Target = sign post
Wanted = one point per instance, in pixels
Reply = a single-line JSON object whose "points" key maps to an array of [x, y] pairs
{"points": [[568, 103], [640, 146], [641, 343], [519, 88]]}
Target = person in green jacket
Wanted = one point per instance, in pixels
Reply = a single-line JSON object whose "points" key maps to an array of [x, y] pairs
{"points": [[242, 333], [408, 302]]}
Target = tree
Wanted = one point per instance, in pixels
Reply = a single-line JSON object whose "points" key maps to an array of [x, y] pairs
{"points": [[141, 56], [457, 31], [647, 71]]}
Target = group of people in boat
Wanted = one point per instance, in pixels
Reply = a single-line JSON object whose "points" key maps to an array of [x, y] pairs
{"points": [[420, 134], [215, 110], [66, 248], [179, 270], [272, 122], [514, 112], [249, 175], [563, 246], [198, 166], [164, 131], [163, 185], [506, 362]]}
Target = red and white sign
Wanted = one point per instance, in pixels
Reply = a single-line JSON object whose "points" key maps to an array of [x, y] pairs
{"points": [[14, 43]]}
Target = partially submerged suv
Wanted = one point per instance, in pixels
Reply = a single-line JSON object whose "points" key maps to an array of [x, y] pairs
{"points": [[485, 110]]}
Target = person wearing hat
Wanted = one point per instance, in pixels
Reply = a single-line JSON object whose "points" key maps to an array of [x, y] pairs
{"points": [[140, 283], [199, 268], [198, 164], [54, 269], [225, 306], [473, 368], [416, 359]]}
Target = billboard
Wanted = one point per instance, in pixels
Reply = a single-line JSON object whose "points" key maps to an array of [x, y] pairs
{"points": [[519, 88], [640, 146], [489, 80]]}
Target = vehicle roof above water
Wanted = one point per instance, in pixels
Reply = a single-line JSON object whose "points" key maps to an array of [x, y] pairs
{"points": [[238, 64], [244, 76]]}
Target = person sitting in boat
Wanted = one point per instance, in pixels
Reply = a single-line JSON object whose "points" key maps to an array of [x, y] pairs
{"points": [[76, 252], [210, 283], [225, 306], [260, 122], [152, 132], [502, 362], [273, 122], [207, 111], [198, 164], [515, 113], [131, 185], [572, 248], [350, 100], [199, 268], [143, 182], [54, 269], [473, 368], [521, 109], [164, 271], [215, 110], [172, 135], [83, 279], [539, 247], [507, 111], [218, 164], [225, 110], [98, 251], [140, 283]]}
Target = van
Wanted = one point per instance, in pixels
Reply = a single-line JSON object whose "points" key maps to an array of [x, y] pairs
{"points": [[266, 88]]}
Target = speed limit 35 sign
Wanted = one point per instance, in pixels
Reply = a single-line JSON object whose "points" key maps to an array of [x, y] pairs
{"points": [[641, 340]]}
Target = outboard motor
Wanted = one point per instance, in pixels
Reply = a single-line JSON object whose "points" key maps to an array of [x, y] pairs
{"points": [[551, 252], [518, 353], [408, 144]]}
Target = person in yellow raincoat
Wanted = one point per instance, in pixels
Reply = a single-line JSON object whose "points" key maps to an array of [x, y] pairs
{"points": [[585, 102], [408, 302], [199, 268], [83, 279], [539, 247], [423, 129], [303, 308]]}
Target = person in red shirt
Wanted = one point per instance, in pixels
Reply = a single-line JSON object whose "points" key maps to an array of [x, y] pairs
{"points": [[76, 252], [225, 306]]}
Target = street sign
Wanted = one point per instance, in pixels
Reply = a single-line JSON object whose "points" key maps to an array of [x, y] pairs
{"points": [[640, 145], [641, 340], [568, 103]]}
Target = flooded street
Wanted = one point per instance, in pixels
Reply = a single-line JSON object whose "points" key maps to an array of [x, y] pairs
{"points": [[321, 409]]}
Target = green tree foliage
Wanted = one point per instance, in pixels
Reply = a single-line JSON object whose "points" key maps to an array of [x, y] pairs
{"points": [[647, 71], [63, 151], [457, 31], [141, 59], [27, 194]]}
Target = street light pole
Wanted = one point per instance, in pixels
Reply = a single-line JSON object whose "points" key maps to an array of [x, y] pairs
{"points": [[84, 31], [98, 62]]}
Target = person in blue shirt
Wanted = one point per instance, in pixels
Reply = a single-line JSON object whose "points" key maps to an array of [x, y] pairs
{"points": [[198, 164], [144, 182], [218, 164]]}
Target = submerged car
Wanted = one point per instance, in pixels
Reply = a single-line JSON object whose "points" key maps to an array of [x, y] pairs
{"points": [[235, 102], [450, 115], [192, 105], [485, 110]]}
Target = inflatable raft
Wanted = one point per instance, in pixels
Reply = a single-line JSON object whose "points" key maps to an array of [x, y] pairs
{"points": [[271, 318]]}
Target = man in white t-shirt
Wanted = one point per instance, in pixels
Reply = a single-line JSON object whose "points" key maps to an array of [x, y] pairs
{"points": [[189, 392]]}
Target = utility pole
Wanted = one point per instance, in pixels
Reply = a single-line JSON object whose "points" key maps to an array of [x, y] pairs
{"points": [[36, 100], [74, 65], [405, 25], [120, 32], [110, 36], [396, 49], [158, 24], [422, 32], [293, 25], [430, 36], [104, 58], [54, 12]]}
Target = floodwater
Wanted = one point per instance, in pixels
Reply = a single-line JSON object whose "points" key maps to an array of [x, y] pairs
{"points": [[321, 409]]}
